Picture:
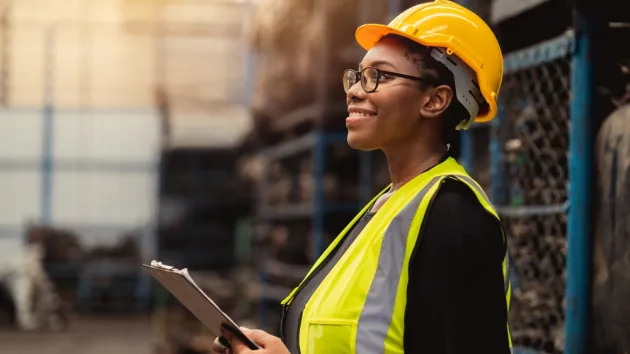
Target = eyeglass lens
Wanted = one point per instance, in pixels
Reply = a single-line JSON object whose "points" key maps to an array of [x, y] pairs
{"points": [[369, 79]]}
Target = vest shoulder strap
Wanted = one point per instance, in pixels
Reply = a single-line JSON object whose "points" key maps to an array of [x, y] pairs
{"points": [[479, 192]]}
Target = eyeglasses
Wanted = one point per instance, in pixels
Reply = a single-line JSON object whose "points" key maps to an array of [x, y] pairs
{"points": [[370, 78]]}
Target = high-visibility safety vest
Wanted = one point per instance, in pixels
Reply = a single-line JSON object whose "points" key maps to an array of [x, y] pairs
{"points": [[359, 307]]}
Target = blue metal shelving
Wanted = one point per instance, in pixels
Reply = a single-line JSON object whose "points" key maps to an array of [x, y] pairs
{"points": [[316, 142], [318, 208]]}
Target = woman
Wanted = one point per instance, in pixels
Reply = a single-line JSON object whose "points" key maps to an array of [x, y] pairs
{"points": [[423, 267]]}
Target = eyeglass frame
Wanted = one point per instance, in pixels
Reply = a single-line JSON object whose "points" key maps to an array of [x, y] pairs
{"points": [[358, 74]]}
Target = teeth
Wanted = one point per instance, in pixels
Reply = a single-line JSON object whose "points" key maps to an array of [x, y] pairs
{"points": [[359, 114]]}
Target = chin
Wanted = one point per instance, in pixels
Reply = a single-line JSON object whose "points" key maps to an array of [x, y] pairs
{"points": [[361, 142]]}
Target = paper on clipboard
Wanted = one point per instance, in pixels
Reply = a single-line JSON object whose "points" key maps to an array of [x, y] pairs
{"points": [[183, 287]]}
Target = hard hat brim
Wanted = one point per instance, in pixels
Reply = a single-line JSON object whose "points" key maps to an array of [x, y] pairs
{"points": [[369, 35]]}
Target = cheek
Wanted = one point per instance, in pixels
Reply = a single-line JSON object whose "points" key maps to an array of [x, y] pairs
{"points": [[397, 110], [396, 120]]}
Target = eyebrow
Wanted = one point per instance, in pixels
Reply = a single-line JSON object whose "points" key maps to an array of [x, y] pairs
{"points": [[379, 63]]}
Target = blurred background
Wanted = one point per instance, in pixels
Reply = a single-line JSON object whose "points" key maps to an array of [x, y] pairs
{"points": [[210, 134]]}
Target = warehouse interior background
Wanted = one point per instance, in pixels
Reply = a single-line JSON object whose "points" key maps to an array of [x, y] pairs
{"points": [[210, 135]]}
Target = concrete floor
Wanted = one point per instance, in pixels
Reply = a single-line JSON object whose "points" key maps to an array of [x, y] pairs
{"points": [[85, 336]]}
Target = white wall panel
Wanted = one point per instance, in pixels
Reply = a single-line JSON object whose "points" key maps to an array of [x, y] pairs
{"points": [[100, 198], [20, 202], [20, 134], [103, 171], [107, 135]]}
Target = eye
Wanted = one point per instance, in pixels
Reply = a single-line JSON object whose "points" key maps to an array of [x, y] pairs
{"points": [[384, 77]]}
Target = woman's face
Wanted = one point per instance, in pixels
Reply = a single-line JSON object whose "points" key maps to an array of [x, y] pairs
{"points": [[391, 115]]}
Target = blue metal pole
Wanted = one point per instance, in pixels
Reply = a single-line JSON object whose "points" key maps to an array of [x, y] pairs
{"points": [[580, 165], [497, 171], [47, 164], [465, 150], [47, 130]]}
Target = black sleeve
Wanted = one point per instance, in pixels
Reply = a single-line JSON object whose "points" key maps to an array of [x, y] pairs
{"points": [[455, 297]]}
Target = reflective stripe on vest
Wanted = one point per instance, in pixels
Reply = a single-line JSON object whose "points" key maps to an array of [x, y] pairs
{"points": [[359, 306], [378, 309]]}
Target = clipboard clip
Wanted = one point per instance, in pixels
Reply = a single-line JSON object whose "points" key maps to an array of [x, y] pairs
{"points": [[162, 266]]}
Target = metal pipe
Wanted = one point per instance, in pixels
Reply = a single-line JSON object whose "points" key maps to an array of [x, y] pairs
{"points": [[580, 177], [48, 127], [465, 150], [497, 171]]}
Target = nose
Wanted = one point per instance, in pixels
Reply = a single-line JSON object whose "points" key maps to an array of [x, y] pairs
{"points": [[355, 93]]}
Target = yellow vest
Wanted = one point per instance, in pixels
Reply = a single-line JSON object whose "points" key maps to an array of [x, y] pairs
{"points": [[359, 307]]}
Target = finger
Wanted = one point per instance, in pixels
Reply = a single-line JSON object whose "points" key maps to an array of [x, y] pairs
{"points": [[219, 346], [260, 337], [227, 334], [238, 347], [224, 342]]}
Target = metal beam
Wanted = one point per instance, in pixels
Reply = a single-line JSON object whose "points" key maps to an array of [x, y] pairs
{"points": [[540, 53]]}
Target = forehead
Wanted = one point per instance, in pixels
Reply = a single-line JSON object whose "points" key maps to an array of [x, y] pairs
{"points": [[387, 53]]}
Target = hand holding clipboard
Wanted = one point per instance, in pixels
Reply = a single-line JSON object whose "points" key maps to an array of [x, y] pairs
{"points": [[269, 344], [183, 287]]}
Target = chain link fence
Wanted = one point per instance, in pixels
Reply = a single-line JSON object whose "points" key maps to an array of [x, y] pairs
{"points": [[532, 138]]}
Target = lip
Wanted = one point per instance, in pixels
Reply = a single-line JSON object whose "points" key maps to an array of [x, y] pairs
{"points": [[355, 109], [358, 115]]}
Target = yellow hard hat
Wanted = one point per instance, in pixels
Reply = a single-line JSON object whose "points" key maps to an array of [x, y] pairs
{"points": [[445, 24]]}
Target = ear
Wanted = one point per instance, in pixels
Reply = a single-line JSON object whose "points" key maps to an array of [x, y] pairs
{"points": [[437, 101]]}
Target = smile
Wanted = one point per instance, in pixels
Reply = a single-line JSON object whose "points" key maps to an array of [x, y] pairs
{"points": [[361, 114], [356, 119]]}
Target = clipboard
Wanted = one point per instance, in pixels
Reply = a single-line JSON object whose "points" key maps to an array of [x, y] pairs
{"points": [[183, 287]]}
